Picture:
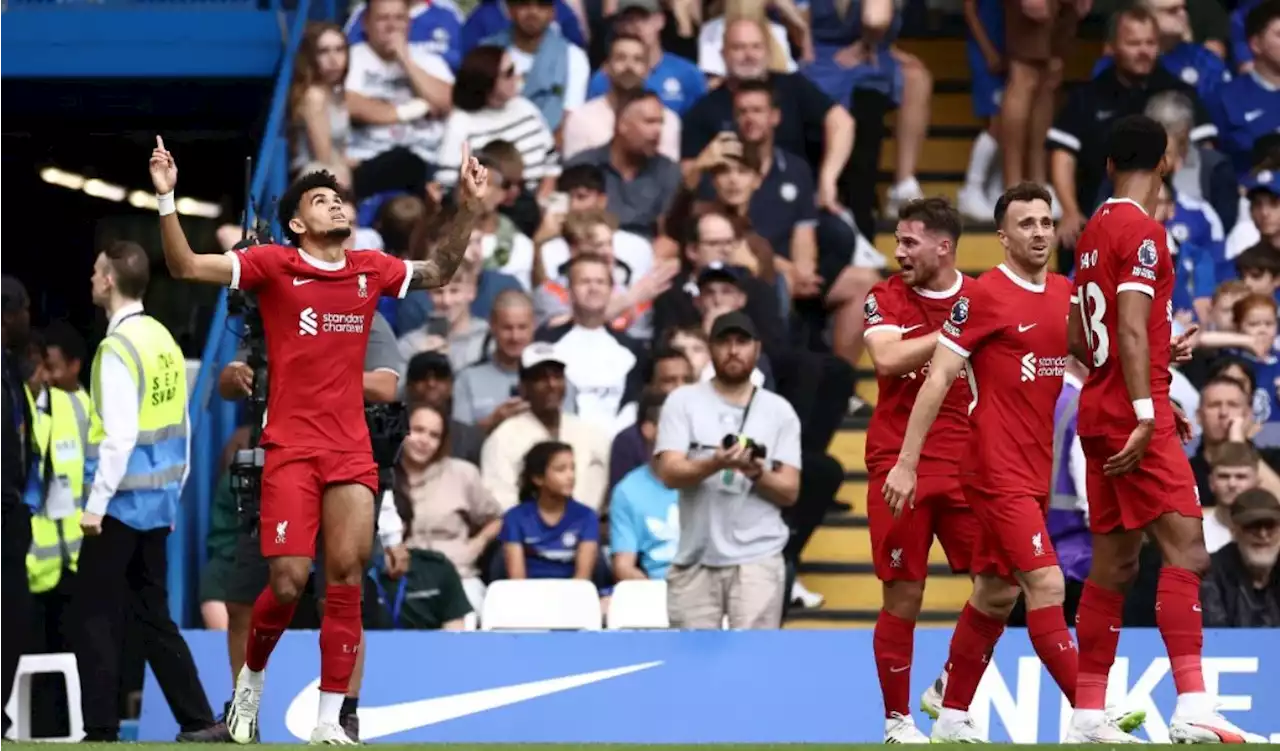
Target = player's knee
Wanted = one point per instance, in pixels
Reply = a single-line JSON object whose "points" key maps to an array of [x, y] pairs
{"points": [[904, 599], [1045, 588], [1193, 559], [344, 570], [994, 596], [288, 581]]}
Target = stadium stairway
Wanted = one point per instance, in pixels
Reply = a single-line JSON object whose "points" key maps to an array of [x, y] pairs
{"points": [[837, 563]]}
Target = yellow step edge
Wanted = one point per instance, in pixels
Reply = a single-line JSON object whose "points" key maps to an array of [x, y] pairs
{"points": [[862, 591], [936, 155], [952, 110], [946, 58], [848, 447]]}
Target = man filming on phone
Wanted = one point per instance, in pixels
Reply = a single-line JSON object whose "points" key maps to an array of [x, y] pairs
{"points": [[732, 449]]}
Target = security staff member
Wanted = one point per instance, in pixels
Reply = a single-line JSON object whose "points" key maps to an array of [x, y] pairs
{"points": [[17, 453], [60, 423], [137, 456]]}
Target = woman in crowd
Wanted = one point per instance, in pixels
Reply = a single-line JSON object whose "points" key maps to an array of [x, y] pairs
{"points": [[319, 122], [487, 106], [444, 504], [548, 535]]}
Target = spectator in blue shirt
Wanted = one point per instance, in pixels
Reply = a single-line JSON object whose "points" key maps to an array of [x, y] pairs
{"points": [[677, 82], [1263, 189], [548, 535], [1248, 107], [1255, 316], [436, 25], [644, 516], [492, 16], [1196, 239]]}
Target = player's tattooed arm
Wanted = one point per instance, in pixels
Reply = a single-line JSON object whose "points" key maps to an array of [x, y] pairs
{"points": [[455, 235], [447, 254]]}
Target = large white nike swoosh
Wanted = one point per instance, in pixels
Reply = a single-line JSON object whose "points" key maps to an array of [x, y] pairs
{"points": [[378, 722], [909, 329]]}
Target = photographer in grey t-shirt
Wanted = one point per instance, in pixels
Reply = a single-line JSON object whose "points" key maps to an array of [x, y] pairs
{"points": [[729, 560]]}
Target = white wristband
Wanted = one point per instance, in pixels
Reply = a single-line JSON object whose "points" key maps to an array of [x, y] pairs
{"points": [[413, 109], [1145, 409], [166, 204]]}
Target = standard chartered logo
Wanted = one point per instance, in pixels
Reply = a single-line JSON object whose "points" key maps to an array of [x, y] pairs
{"points": [[307, 322], [311, 323], [1028, 367]]}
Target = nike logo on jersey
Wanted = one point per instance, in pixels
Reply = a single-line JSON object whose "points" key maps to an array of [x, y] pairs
{"points": [[1023, 328], [1251, 116], [909, 329], [899, 670], [299, 282]]}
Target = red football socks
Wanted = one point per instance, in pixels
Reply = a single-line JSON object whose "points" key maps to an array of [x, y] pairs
{"points": [[269, 620], [893, 642], [339, 636], [1181, 625], [1047, 629], [972, 642], [1098, 620]]}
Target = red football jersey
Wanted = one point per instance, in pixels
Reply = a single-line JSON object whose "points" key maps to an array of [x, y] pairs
{"points": [[316, 316], [1014, 335], [1122, 249], [914, 312]]}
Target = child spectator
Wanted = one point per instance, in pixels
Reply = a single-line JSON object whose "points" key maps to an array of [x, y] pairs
{"points": [[1255, 317], [451, 328], [549, 535]]}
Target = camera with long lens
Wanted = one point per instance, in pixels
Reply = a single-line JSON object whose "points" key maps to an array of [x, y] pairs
{"points": [[246, 464], [756, 450]]}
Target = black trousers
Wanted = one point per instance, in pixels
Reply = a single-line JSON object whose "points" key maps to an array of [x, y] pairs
{"points": [[50, 634], [123, 571], [15, 597]]}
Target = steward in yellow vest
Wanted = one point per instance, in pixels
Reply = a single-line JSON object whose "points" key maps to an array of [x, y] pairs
{"points": [[61, 433]]}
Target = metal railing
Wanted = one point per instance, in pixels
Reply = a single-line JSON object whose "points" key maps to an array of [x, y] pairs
{"points": [[212, 419]]}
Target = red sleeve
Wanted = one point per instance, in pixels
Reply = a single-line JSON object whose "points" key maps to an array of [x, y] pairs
{"points": [[880, 310], [254, 267], [1144, 260], [394, 274], [973, 319]]}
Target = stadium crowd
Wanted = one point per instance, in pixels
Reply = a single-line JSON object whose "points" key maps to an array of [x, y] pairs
{"points": [[680, 191]]}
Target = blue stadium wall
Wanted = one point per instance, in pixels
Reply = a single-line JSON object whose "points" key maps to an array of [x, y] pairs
{"points": [[700, 687]]}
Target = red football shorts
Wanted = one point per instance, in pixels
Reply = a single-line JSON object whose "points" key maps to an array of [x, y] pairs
{"points": [[900, 547], [1161, 484], [293, 485], [1014, 534]]}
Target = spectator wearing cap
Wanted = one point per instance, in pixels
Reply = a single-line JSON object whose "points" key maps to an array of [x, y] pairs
{"points": [[1242, 589], [714, 238], [604, 365], [1077, 141], [721, 290], [639, 181], [542, 386], [1246, 109], [487, 392], [644, 516], [451, 328], [625, 70], [677, 81], [1235, 470], [732, 450], [1262, 230], [430, 381]]}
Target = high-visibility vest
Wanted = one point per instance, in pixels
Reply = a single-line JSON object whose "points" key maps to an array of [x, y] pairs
{"points": [[61, 435], [147, 497]]}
